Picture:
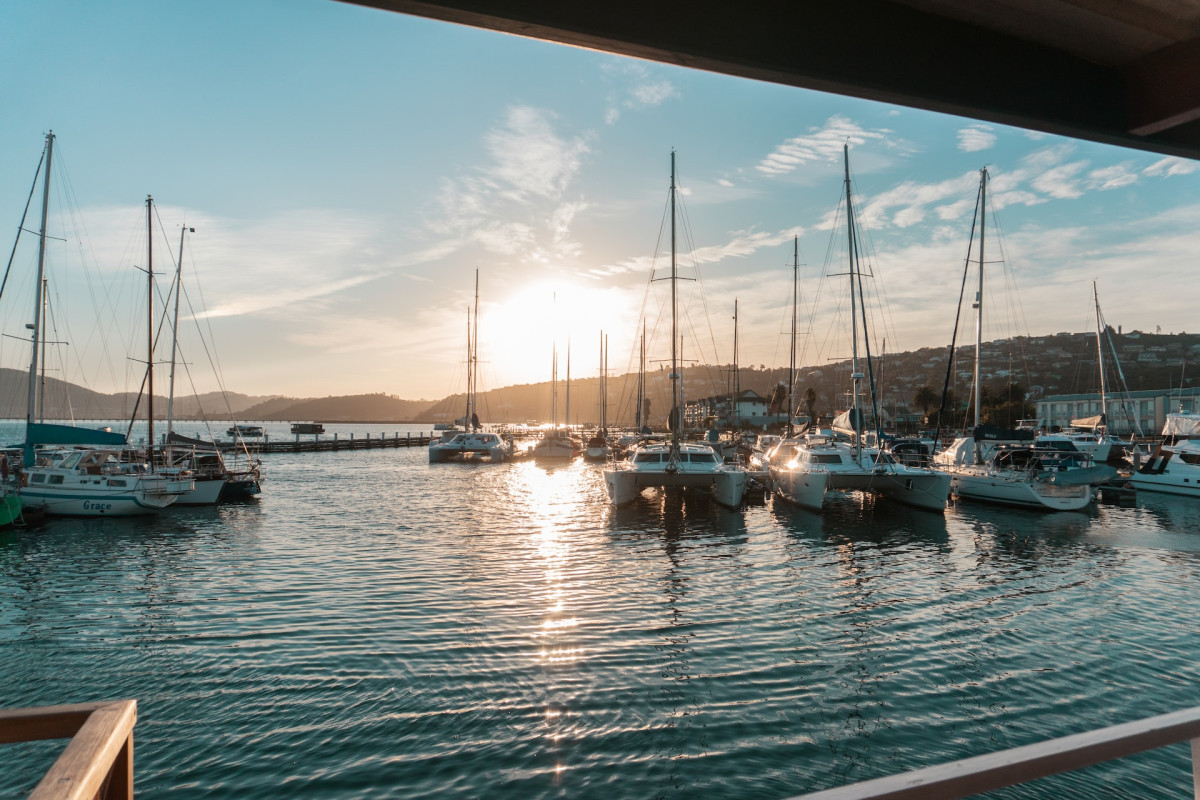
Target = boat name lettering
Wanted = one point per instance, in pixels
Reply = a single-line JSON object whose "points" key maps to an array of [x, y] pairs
{"points": [[93, 506]]}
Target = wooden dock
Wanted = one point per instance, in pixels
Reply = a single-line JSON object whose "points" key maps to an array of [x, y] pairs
{"points": [[317, 444]]}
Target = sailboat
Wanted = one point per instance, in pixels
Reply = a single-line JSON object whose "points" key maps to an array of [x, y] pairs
{"points": [[597, 448], [995, 465], [850, 466], [474, 444], [1090, 434], [92, 476], [674, 464], [556, 443], [202, 462]]}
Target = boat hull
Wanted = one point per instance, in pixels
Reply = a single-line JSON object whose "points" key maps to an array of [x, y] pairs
{"points": [[727, 487], [922, 489], [988, 486], [800, 487], [69, 502]]}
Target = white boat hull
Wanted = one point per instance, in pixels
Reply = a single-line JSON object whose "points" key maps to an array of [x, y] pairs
{"points": [[205, 492], [800, 487], [140, 499], [915, 487], [987, 485], [1173, 469], [726, 487]]}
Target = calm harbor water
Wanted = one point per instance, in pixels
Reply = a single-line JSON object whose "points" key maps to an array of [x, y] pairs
{"points": [[374, 626]]}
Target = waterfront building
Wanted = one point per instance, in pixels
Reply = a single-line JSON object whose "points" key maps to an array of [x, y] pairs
{"points": [[1149, 408], [751, 409]]}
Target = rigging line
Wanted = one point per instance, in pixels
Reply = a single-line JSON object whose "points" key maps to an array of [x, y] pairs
{"points": [[87, 258], [24, 214], [958, 315]]}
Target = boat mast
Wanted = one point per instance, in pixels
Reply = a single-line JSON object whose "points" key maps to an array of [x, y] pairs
{"points": [[567, 409], [1100, 357], [983, 175], [677, 411], [150, 332], [737, 388], [641, 384], [855, 373], [467, 413], [175, 335], [475, 359], [792, 351], [554, 390], [38, 290], [604, 391]]}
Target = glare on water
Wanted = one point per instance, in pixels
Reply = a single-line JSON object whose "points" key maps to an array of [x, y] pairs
{"points": [[376, 626]]}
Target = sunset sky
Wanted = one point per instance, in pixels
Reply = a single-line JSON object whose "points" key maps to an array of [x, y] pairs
{"points": [[347, 170]]}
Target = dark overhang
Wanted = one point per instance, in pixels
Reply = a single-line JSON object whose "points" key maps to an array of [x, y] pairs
{"points": [[1123, 72]]}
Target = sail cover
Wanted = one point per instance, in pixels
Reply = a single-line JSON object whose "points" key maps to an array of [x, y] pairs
{"points": [[1090, 423], [1182, 425]]}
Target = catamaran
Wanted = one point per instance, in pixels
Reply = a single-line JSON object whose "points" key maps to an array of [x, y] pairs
{"points": [[799, 465], [473, 444], [674, 464]]}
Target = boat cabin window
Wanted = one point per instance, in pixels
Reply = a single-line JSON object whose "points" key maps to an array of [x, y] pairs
{"points": [[1190, 458], [55, 479], [827, 458], [37, 477], [117, 482], [647, 458], [698, 458], [71, 461]]}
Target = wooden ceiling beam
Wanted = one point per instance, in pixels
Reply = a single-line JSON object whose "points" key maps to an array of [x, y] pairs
{"points": [[873, 49], [1163, 89]]}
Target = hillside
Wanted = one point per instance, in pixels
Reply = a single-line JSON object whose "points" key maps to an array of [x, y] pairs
{"points": [[1064, 363]]}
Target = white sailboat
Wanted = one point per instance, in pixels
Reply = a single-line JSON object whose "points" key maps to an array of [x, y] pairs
{"points": [[1090, 434], [597, 448], [202, 462], [93, 476], [849, 466], [995, 466], [473, 444], [674, 464], [556, 443]]}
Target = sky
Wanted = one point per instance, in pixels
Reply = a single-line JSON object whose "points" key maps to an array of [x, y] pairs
{"points": [[347, 171]]}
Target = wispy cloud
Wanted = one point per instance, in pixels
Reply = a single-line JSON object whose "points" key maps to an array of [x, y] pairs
{"points": [[1171, 166], [513, 204], [976, 137], [819, 145], [634, 87], [530, 158]]}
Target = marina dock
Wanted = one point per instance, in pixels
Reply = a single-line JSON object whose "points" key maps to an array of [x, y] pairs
{"points": [[316, 444]]}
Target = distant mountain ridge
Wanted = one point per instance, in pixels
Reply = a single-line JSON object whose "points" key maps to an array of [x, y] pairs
{"points": [[1061, 363]]}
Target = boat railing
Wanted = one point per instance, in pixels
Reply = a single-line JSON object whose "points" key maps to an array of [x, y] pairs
{"points": [[96, 763], [986, 773]]}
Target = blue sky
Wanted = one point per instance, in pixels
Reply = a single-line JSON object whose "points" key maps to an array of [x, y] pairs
{"points": [[347, 170]]}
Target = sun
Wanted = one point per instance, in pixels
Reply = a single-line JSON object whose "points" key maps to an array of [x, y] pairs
{"points": [[522, 329]]}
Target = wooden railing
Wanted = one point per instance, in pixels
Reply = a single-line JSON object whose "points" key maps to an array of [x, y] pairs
{"points": [[97, 762], [1022, 764]]}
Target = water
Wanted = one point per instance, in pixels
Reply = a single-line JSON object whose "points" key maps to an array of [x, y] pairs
{"points": [[374, 626]]}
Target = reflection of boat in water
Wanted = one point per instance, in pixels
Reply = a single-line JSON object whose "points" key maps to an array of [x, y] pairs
{"points": [[245, 431], [307, 427]]}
